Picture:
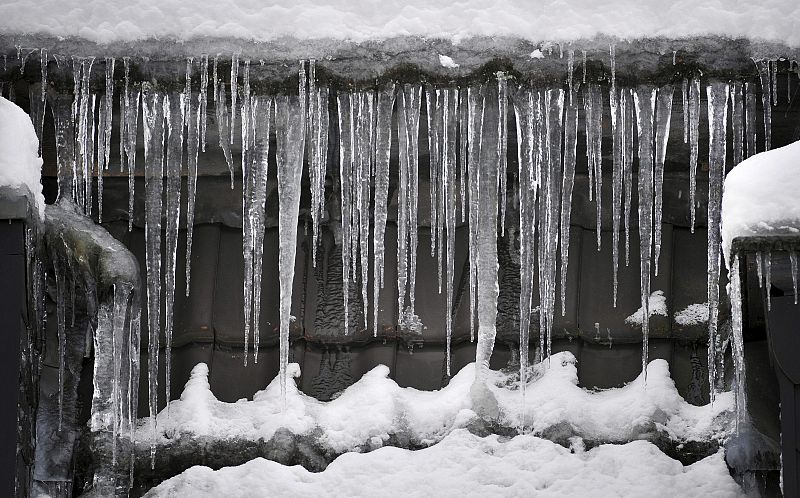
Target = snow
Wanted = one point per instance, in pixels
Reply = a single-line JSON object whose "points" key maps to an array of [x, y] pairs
{"points": [[20, 164], [375, 407], [447, 61], [467, 465], [760, 196], [106, 21], [657, 306], [694, 314]]}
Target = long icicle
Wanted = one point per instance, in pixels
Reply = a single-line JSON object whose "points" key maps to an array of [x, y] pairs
{"points": [[617, 133], [663, 119], [570, 156], [766, 96], [694, 122], [195, 134], [261, 109], [449, 165]]}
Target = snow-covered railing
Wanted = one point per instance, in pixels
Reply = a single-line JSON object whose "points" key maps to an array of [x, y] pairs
{"points": [[96, 275]]}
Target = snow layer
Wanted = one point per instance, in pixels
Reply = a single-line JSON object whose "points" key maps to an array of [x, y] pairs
{"points": [[761, 196], [694, 314], [20, 164], [106, 21], [657, 304], [467, 465], [369, 411]]}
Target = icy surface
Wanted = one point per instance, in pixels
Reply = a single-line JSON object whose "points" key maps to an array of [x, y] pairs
{"points": [[20, 164], [117, 20], [467, 465], [760, 196], [375, 407]]}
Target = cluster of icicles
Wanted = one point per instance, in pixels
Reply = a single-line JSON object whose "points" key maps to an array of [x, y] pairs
{"points": [[467, 139]]}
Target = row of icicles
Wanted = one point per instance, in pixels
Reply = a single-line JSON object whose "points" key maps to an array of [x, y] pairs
{"points": [[467, 139]]}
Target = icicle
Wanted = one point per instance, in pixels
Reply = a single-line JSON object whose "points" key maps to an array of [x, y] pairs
{"points": [[175, 118], [290, 134], [793, 263], [766, 96], [737, 122], [64, 125], [583, 56], [318, 152], [234, 93], [750, 119], [223, 125], [153, 107], [475, 132], [645, 99], [549, 212], [463, 130], [486, 237], [39, 124], [195, 138], [130, 115], [774, 78], [345, 178], [261, 108], [617, 134], [595, 122], [408, 133], [570, 154], [61, 290], [663, 118], [83, 167], [524, 110], [717, 94], [760, 269], [694, 122], [451, 102], [434, 114], [570, 73], [363, 113], [502, 144], [101, 156], [737, 342], [685, 94], [383, 150], [768, 277], [203, 100]]}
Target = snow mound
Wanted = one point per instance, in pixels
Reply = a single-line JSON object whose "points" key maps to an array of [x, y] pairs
{"points": [[367, 413], [657, 304], [128, 20], [694, 314], [467, 465], [760, 196], [20, 164]]}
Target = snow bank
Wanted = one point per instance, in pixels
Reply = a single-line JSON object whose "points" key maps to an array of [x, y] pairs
{"points": [[106, 21], [20, 164], [467, 465], [367, 413], [761, 196]]}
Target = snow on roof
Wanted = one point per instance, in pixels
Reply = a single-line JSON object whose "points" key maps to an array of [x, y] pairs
{"points": [[108, 21], [464, 464], [762, 196], [20, 164]]}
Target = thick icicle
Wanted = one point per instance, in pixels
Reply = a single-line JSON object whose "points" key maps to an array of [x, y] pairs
{"points": [[174, 109], [502, 144], [662, 119], [737, 122], [433, 103], [463, 128], [645, 99], [694, 123], [407, 237], [346, 180], [83, 167], [737, 342], [64, 126], [750, 119], [717, 94], [290, 135], [766, 96], [383, 145], [364, 127], [153, 104], [195, 124], [318, 152], [131, 130], [570, 155], [627, 123], [475, 130]]}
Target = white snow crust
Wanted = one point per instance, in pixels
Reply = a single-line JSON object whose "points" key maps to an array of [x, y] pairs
{"points": [[694, 314], [106, 21], [657, 304], [467, 465], [762, 196], [366, 413], [20, 164]]}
